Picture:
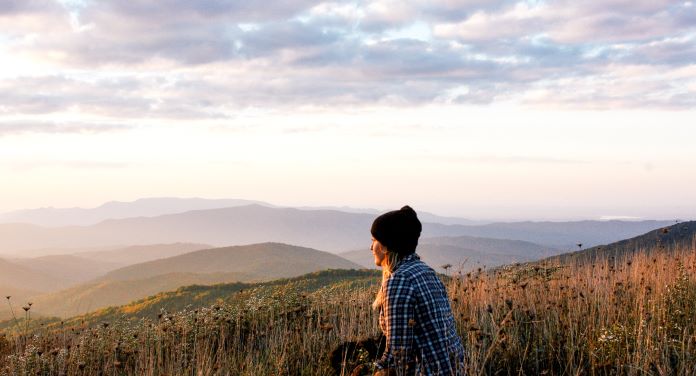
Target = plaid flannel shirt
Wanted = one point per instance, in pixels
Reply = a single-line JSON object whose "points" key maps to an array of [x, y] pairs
{"points": [[417, 322]]}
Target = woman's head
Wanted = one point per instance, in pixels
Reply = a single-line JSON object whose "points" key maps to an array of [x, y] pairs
{"points": [[398, 231], [394, 236]]}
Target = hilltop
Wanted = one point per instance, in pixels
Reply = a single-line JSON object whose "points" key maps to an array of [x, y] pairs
{"points": [[263, 261]]}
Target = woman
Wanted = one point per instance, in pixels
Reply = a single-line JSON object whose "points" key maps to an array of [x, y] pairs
{"points": [[415, 314]]}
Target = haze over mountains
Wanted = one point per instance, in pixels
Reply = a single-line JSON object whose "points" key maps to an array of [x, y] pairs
{"points": [[66, 270], [145, 207], [329, 230], [23, 278], [156, 206], [142, 253]]}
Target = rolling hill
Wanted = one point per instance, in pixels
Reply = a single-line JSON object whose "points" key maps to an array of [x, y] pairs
{"points": [[197, 296], [262, 261], [256, 262], [95, 295], [565, 235], [666, 239]]}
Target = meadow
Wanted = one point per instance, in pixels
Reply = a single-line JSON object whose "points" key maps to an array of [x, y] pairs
{"points": [[628, 315]]}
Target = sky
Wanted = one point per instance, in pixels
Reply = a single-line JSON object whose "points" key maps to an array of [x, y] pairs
{"points": [[480, 109]]}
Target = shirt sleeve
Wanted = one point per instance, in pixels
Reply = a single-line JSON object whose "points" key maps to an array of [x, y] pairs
{"points": [[399, 313]]}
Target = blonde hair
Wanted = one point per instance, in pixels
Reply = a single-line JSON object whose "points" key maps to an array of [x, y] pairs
{"points": [[391, 259]]}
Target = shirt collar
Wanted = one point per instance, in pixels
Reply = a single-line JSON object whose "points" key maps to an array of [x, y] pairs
{"points": [[410, 258]]}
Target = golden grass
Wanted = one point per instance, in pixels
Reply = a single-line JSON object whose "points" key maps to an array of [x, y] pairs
{"points": [[618, 316]]}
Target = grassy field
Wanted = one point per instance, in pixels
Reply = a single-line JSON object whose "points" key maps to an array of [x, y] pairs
{"points": [[614, 316]]}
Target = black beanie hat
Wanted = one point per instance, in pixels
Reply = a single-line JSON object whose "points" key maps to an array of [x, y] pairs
{"points": [[398, 230]]}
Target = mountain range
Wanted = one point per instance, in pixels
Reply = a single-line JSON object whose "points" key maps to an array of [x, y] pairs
{"points": [[145, 207], [328, 230], [156, 206], [255, 263]]}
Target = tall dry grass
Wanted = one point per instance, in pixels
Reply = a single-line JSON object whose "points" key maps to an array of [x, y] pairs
{"points": [[617, 316]]}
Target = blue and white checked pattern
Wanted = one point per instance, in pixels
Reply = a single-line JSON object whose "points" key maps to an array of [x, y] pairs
{"points": [[417, 321]]}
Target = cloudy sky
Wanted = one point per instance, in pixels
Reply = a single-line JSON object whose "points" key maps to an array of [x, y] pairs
{"points": [[480, 109]]}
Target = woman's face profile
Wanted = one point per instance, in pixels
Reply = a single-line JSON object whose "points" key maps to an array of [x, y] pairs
{"points": [[379, 251]]}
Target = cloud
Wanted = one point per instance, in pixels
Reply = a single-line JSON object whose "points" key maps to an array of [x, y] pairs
{"points": [[19, 127], [122, 97], [24, 20], [173, 12], [207, 59], [570, 22], [619, 218], [24, 165], [483, 26], [134, 32], [674, 51], [514, 159], [15, 7]]}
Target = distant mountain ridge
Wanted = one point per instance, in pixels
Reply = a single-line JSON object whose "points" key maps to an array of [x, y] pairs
{"points": [[156, 206], [145, 207], [565, 235], [329, 230]]}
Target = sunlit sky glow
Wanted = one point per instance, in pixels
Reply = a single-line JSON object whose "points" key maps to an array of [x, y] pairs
{"points": [[480, 109]]}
